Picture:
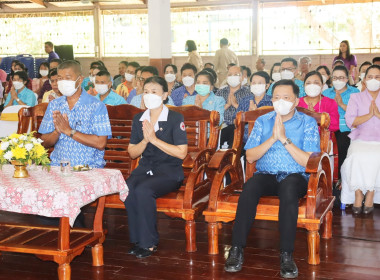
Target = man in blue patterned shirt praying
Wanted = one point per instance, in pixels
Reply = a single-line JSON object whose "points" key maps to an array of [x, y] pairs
{"points": [[281, 142], [75, 124]]}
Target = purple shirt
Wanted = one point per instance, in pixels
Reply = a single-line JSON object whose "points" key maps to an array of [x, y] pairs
{"points": [[357, 106], [52, 55], [348, 62], [45, 87]]}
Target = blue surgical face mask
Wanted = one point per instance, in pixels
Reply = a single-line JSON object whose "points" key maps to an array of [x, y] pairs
{"points": [[202, 90]]}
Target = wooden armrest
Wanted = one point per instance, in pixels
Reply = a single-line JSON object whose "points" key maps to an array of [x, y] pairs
{"points": [[315, 162], [194, 158], [221, 157]]}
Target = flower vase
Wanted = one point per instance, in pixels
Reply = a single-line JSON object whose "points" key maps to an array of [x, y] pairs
{"points": [[20, 169]]}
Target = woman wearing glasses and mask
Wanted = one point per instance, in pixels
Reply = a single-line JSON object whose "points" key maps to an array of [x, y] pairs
{"points": [[159, 137], [341, 92]]}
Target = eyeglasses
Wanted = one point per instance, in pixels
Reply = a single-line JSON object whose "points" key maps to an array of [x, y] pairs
{"points": [[341, 78]]}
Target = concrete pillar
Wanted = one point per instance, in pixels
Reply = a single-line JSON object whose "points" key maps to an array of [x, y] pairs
{"points": [[255, 32], [160, 34], [98, 32]]}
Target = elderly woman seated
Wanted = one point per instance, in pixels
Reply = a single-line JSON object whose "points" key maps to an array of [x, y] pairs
{"points": [[361, 169]]}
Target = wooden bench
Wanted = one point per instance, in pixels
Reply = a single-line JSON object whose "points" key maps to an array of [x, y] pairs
{"points": [[314, 209]]}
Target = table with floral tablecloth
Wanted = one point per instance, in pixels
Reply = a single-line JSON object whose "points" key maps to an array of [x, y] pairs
{"points": [[52, 194]]}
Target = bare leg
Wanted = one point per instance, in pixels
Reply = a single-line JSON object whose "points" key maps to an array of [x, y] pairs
{"points": [[359, 196], [369, 198]]}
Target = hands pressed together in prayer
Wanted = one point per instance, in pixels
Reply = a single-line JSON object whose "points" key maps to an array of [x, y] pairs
{"points": [[231, 101], [374, 110], [149, 133], [61, 123], [279, 130], [252, 106], [13, 93]]}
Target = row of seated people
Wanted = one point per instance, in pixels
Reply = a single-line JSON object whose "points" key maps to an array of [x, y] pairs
{"points": [[280, 142]]}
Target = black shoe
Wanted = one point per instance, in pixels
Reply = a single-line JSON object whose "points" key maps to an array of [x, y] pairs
{"points": [[145, 252], [235, 259], [134, 249], [288, 266]]}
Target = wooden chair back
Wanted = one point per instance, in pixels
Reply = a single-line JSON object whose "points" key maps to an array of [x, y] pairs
{"points": [[31, 118], [116, 152]]}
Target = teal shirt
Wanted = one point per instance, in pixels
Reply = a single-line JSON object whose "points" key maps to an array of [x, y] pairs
{"points": [[212, 102], [330, 92], [113, 99], [26, 95], [299, 83]]}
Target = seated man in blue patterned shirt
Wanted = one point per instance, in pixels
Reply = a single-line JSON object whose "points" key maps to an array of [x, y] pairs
{"points": [[103, 86], [233, 94], [288, 71], [281, 142], [76, 124], [188, 72]]}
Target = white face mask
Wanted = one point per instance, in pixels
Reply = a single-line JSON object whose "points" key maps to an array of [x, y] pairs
{"points": [[324, 78], [313, 90], [276, 77], [92, 79], [152, 101], [338, 85], [362, 75], [44, 73], [128, 77], [188, 81], [18, 85], [282, 107], [373, 85], [67, 87], [244, 82], [287, 75], [101, 88], [170, 78], [233, 81], [258, 89]]}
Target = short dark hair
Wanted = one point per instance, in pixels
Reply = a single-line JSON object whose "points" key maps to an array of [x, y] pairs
{"points": [[285, 82], [15, 61], [290, 59], [71, 64], [58, 60], [209, 64], [374, 66], [212, 72], [338, 61], [134, 64], [263, 74], [23, 75], [224, 41], [50, 44], [208, 74], [232, 64], [46, 64], [96, 64], [191, 46], [312, 73], [175, 69], [124, 62], [246, 68], [327, 70], [376, 59], [22, 65], [160, 81], [364, 64], [187, 66], [52, 72], [274, 65], [104, 73], [139, 69], [151, 69], [341, 68]]}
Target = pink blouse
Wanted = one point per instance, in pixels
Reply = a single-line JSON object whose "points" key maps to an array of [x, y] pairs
{"points": [[326, 105], [357, 106]]}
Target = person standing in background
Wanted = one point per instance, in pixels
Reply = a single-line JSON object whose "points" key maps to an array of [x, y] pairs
{"points": [[305, 66], [194, 57], [223, 57], [49, 46], [349, 59]]}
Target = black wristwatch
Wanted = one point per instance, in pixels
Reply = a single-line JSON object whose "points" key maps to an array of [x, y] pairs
{"points": [[287, 141]]}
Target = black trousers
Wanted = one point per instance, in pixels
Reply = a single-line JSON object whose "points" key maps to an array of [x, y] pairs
{"points": [[343, 143], [141, 206], [227, 135], [289, 191]]}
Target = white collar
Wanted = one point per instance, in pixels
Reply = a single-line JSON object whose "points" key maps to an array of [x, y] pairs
{"points": [[163, 117]]}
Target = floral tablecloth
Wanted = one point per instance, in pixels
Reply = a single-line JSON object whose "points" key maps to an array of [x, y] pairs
{"points": [[51, 194]]}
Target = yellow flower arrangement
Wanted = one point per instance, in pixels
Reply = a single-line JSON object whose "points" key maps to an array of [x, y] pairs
{"points": [[25, 148]]}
